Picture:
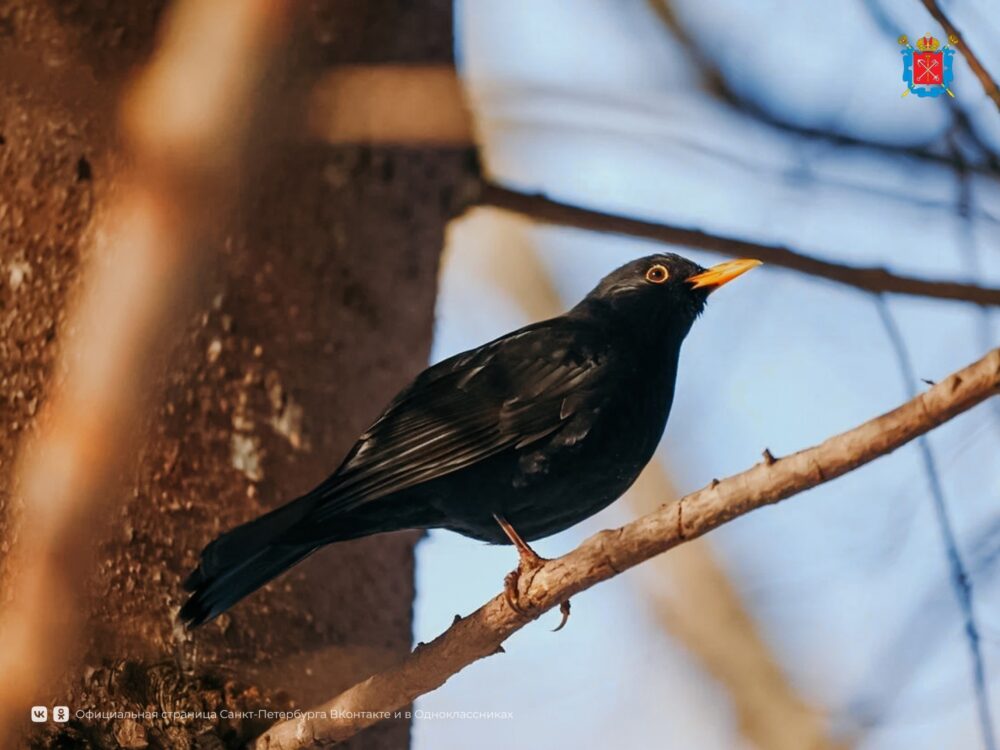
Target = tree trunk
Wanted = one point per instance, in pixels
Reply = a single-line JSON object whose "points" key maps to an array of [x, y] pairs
{"points": [[318, 310]]}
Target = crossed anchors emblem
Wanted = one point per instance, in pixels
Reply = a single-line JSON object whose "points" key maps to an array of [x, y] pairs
{"points": [[927, 70]]}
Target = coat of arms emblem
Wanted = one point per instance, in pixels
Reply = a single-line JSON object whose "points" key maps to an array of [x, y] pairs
{"points": [[927, 70]]}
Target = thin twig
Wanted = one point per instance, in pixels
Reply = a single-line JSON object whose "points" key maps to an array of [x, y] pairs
{"points": [[610, 552], [987, 82], [869, 279], [960, 582]]}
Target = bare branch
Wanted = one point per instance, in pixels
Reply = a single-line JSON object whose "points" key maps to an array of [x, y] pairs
{"points": [[868, 279], [988, 84], [610, 552]]}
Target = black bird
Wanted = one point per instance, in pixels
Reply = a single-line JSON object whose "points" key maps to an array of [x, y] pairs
{"points": [[516, 440]]}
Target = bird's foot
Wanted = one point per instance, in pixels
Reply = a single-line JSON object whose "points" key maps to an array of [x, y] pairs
{"points": [[528, 564], [529, 561]]}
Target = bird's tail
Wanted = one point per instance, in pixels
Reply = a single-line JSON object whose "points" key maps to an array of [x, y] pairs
{"points": [[213, 595], [242, 560]]}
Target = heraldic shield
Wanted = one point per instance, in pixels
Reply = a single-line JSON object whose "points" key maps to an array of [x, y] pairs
{"points": [[927, 70]]}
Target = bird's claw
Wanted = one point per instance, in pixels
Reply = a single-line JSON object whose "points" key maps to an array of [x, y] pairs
{"points": [[564, 611], [510, 592], [512, 595], [530, 560]]}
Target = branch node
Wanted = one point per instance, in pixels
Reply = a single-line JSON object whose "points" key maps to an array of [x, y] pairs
{"points": [[819, 469], [609, 537], [768, 457]]}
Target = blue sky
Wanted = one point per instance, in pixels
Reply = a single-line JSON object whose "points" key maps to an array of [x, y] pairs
{"points": [[594, 101]]}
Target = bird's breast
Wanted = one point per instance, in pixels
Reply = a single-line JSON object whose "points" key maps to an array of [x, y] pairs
{"points": [[566, 478]]}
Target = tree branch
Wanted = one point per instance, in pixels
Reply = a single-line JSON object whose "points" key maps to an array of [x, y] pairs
{"points": [[989, 85], [610, 552], [868, 279]]}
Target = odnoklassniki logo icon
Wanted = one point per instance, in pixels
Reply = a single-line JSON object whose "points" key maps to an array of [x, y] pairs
{"points": [[927, 70]]}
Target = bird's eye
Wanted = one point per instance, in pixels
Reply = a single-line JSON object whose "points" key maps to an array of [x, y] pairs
{"points": [[657, 274]]}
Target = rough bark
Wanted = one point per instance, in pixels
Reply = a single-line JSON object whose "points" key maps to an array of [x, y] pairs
{"points": [[318, 309]]}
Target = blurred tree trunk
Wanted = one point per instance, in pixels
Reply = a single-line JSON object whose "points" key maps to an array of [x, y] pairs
{"points": [[319, 308]]}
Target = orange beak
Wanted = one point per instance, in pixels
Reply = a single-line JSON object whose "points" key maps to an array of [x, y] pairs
{"points": [[721, 274]]}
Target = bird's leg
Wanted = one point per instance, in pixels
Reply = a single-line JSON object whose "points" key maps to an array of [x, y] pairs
{"points": [[528, 560]]}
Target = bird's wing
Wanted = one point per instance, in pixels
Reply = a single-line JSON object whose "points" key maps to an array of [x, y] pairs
{"points": [[508, 393]]}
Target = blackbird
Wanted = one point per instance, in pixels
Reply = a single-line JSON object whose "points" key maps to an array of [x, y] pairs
{"points": [[518, 439]]}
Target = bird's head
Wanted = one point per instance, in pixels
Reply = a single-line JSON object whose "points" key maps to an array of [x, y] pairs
{"points": [[664, 291]]}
